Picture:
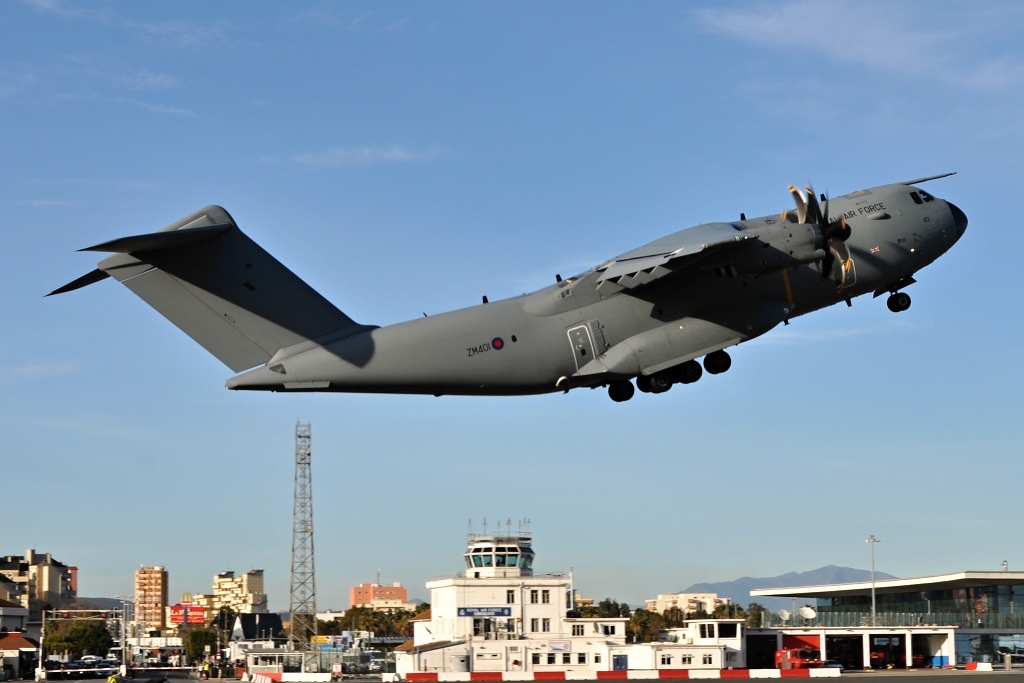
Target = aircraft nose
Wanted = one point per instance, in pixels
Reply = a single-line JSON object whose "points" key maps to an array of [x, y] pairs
{"points": [[959, 219]]}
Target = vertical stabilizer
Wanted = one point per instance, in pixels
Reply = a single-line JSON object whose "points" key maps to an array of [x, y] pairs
{"points": [[219, 287]]}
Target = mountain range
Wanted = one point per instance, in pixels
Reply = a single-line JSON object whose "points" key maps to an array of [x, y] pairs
{"points": [[738, 591]]}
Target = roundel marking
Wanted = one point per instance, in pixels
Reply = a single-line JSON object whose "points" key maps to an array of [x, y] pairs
{"points": [[497, 343]]}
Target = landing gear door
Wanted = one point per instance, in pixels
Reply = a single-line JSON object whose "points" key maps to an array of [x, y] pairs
{"points": [[582, 344]]}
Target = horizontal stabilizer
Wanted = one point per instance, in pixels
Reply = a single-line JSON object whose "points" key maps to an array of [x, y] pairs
{"points": [[84, 281], [221, 288], [161, 240]]}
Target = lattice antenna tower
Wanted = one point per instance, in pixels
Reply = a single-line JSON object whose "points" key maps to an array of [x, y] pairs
{"points": [[303, 599]]}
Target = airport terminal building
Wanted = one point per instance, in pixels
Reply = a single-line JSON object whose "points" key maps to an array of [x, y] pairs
{"points": [[499, 617], [950, 619]]}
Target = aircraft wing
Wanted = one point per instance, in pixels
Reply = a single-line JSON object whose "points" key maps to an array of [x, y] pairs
{"points": [[668, 254]]}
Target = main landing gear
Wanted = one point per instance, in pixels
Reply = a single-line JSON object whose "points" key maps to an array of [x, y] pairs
{"points": [[898, 302], [660, 382]]}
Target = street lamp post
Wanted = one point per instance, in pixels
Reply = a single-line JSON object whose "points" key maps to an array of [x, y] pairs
{"points": [[872, 540]]}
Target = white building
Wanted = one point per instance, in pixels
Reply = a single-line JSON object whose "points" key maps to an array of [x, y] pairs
{"points": [[687, 602], [499, 616]]}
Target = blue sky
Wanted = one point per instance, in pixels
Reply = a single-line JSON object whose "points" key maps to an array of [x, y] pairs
{"points": [[405, 158]]}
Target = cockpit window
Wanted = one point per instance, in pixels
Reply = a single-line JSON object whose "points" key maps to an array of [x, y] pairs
{"points": [[927, 197], [916, 197]]}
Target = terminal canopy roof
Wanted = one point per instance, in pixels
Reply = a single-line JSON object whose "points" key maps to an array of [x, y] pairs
{"points": [[965, 579]]}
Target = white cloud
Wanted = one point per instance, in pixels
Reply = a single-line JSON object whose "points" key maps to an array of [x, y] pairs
{"points": [[178, 33], [342, 17], [70, 11], [160, 109], [906, 38], [40, 369], [361, 156], [133, 184], [44, 203]]}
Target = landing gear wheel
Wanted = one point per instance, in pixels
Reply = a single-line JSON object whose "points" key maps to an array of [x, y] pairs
{"points": [[718, 362], [689, 372], [660, 383], [898, 302], [643, 383], [621, 390]]}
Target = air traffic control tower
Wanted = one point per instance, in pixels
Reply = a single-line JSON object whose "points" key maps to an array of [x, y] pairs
{"points": [[507, 555]]}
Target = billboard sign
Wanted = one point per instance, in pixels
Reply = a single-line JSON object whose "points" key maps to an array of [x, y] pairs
{"points": [[196, 614]]}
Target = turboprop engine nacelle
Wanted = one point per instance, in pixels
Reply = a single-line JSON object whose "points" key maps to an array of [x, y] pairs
{"points": [[777, 247]]}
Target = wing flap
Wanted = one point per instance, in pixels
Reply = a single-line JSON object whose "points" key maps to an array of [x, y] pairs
{"points": [[661, 257]]}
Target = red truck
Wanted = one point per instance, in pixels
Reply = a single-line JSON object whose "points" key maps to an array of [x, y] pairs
{"points": [[798, 658]]}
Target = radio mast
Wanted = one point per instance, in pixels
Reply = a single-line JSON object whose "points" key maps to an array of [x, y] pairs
{"points": [[303, 599]]}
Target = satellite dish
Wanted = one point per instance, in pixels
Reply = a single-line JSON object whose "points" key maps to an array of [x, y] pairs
{"points": [[784, 614], [808, 612]]}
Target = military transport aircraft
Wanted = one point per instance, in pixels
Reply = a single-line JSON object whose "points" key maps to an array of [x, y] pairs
{"points": [[647, 315]]}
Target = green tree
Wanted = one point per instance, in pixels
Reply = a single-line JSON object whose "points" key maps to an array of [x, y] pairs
{"points": [[195, 641], [729, 611], [78, 638], [224, 623], [329, 628], [673, 617], [644, 626], [755, 614]]}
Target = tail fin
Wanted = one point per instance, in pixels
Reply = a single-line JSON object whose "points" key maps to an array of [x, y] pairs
{"points": [[220, 288]]}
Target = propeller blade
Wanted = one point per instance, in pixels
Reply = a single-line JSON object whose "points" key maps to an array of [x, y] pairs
{"points": [[801, 204], [813, 210], [826, 264], [837, 261], [841, 263]]}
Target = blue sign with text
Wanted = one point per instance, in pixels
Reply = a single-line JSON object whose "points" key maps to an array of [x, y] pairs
{"points": [[485, 611]]}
